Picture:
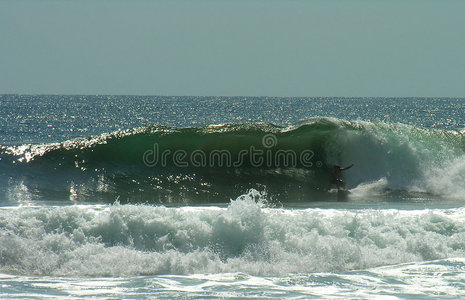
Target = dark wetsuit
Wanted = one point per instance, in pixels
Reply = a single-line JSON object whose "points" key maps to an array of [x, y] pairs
{"points": [[334, 179]]}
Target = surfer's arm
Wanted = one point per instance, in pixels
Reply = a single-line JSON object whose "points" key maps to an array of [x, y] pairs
{"points": [[346, 168]]}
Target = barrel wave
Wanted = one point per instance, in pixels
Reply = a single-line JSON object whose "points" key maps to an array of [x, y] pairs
{"points": [[212, 164]]}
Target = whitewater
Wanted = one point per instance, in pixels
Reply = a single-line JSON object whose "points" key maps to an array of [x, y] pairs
{"points": [[86, 209]]}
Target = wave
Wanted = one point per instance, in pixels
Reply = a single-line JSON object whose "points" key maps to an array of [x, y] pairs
{"points": [[160, 164], [247, 236]]}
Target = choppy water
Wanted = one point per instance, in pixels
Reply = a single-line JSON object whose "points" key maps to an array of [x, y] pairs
{"points": [[88, 206]]}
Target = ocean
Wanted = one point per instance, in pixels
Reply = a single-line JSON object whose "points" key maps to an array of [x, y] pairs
{"points": [[230, 197]]}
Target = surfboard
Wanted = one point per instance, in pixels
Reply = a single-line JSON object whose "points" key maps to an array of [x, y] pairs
{"points": [[338, 191]]}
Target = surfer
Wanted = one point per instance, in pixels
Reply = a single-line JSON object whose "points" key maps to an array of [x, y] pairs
{"points": [[335, 177]]}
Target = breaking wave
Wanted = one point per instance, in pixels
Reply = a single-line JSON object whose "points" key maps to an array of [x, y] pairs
{"points": [[123, 240], [160, 164]]}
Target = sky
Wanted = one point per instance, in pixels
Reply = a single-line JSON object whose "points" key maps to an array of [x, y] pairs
{"points": [[352, 48]]}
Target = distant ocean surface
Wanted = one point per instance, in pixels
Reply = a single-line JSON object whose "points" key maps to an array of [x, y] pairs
{"points": [[229, 197]]}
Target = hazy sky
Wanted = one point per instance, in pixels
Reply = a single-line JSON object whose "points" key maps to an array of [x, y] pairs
{"points": [[236, 47]]}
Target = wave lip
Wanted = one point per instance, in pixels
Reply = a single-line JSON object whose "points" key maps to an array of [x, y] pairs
{"points": [[199, 164]]}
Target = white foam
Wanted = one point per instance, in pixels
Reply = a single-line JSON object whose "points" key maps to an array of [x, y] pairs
{"points": [[247, 237]]}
